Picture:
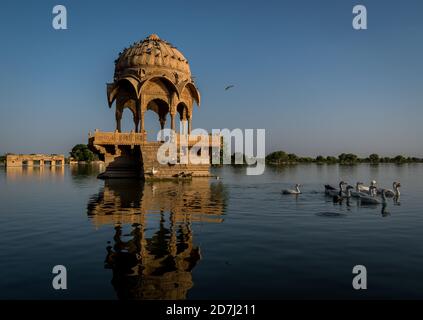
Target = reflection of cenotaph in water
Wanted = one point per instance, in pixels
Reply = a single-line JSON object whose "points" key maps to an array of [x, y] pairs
{"points": [[155, 260]]}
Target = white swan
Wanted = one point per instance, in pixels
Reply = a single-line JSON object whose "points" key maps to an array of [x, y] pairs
{"points": [[153, 171], [357, 193], [291, 191], [397, 186], [363, 188]]}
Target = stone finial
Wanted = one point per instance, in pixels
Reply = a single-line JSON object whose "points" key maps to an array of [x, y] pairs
{"points": [[153, 37]]}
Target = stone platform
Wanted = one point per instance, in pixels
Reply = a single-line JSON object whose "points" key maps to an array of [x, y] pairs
{"points": [[130, 155]]}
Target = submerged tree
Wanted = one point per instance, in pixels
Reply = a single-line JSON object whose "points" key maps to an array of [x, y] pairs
{"points": [[348, 158], [277, 157], [281, 157], [306, 160], [374, 158], [292, 157], [80, 152], [331, 159], [399, 159], [320, 159]]}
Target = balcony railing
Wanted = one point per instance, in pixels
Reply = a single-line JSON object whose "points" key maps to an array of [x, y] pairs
{"points": [[117, 138], [133, 138]]}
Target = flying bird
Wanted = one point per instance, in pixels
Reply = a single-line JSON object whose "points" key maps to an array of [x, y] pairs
{"points": [[230, 86]]}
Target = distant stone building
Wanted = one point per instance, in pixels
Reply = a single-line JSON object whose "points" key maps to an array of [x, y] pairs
{"points": [[151, 75], [34, 160]]}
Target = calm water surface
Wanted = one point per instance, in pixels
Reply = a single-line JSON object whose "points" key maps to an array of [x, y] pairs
{"points": [[236, 237]]}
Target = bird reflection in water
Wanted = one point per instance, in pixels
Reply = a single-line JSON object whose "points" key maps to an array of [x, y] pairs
{"points": [[384, 211], [155, 259]]}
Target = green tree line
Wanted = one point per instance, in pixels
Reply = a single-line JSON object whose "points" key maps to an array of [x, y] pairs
{"points": [[281, 157]]}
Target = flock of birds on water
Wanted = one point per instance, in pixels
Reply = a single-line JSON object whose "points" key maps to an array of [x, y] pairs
{"points": [[368, 195]]}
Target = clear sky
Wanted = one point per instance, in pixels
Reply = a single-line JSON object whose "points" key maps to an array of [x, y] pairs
{"points": [[299, 68]]}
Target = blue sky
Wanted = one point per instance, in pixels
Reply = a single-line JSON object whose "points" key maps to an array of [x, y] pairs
{"points": [[299, 68]]}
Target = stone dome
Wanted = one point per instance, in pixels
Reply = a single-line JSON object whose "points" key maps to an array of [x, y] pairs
{"points": [[151, 55], [153, 75]]}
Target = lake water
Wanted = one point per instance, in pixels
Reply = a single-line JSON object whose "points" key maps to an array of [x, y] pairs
{"points": [[233, 238]]}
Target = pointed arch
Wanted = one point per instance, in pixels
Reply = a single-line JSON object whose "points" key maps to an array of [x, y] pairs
{"points": [[168, 84], [129, 86], [194, 92]]}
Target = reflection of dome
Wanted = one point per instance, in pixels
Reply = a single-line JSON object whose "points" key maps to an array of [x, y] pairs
{"points": [[152, 53], [153, 268]]}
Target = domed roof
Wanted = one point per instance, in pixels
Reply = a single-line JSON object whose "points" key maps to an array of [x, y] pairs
{"points": [[152, 54]]}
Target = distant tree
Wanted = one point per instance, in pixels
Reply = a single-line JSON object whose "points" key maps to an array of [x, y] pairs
{"points": [[330, 159], [306, 160], [347, 158], [277, 157], [342, 157], [292, 157], [320, 159], [374, 158], [80, 152], [281, 157], [399, 159]]}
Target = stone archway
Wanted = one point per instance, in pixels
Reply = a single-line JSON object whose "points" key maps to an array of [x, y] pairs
{"points": [[127, 99], [128, 121], [160, 107], [183, 111]]}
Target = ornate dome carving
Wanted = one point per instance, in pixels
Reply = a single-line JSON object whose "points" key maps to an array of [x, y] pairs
{"points": [[152, 56], [153, 75]]}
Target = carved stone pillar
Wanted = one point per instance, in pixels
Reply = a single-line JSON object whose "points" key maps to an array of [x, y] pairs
{"points": [[138, 115], [189, 125], [172, 121], [142, 121], [162, 123], [136, 121], [184, 121], [118, 120]]}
